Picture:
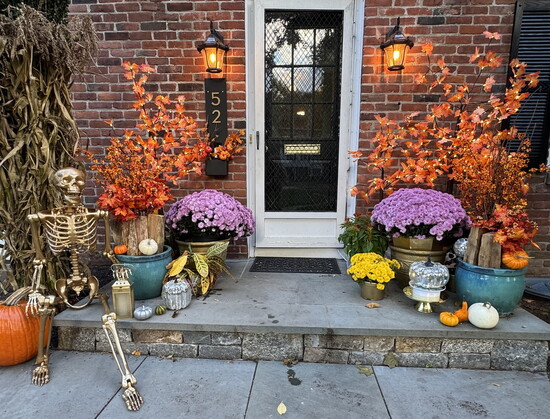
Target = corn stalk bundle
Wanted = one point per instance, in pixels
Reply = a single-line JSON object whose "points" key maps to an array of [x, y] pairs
{"points": [[38, 134]]}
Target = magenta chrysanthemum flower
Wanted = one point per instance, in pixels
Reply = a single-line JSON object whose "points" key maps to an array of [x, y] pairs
{"points": [[421, 213], [209, 213]]}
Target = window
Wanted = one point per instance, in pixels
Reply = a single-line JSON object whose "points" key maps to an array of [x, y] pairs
{"points": [[530, 43]]}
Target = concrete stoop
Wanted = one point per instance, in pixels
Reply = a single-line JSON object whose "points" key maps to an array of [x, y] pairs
{"points": [[313, 318]]}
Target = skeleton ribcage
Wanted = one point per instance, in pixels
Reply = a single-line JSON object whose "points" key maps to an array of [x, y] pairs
{"points": [[76, 232]]}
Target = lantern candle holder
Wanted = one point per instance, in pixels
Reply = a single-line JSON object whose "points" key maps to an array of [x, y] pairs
{"points": [[122, 291], [428, 280]]}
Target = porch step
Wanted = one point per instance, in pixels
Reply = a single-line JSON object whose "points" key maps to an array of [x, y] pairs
{"points": [[313, 318]]}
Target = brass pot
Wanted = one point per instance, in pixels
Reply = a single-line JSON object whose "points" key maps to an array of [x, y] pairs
{"points": [[408, 250], [369, 291], [200, 247]]}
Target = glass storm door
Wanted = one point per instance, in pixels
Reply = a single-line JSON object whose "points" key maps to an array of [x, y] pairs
{"points": [[301, 153]]}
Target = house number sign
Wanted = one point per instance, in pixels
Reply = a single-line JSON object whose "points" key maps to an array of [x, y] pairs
{"points": [[216, 108]]}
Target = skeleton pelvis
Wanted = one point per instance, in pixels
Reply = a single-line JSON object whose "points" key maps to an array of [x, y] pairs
{"points": [[62, 286]]}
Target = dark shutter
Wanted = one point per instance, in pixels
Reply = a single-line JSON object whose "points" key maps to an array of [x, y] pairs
{"points": [[530, 43]]}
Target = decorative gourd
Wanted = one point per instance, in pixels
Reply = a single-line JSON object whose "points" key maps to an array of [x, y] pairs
{"points": [[18, 334], [462, 313], [160, 310], [176, 294], [148, 247], [515, 260], [143, 312], [120, 249], [448, 319], [483, 315]]}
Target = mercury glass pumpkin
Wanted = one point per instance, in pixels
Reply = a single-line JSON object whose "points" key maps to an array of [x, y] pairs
{"points": [[429, 275], [459, 248], [143, 312], [176, 294]]}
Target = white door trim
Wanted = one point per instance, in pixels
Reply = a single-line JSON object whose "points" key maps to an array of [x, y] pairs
{"points": [[349, 107]]}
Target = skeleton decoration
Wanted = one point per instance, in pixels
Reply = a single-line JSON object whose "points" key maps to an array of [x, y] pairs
{"points": [[72, 230]]}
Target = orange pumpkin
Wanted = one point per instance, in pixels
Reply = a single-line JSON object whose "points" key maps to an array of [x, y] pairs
{"points": [[515, 260], [448, 319], [462, 313], [120, 249], [18, 334]]}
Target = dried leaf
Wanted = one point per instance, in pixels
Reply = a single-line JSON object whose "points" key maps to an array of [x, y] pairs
{"points": [[136, 353], [175, 313], [289, 362], [495, 384], [281, 409], [365, 370], [390, 360], [372, 305]]}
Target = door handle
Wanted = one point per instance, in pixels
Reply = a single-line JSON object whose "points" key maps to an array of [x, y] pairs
{"points": [[257, 140]]}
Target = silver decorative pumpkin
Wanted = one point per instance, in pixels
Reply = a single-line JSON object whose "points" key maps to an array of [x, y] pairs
{"points": [[428, 279], [176, 294], [429, 275]]}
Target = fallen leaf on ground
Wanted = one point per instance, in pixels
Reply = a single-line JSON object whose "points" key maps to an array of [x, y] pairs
{"points": [[372, 305], [281, 409], [496, 384], [136, 353], [364, 370], [289, 362], [175, 313], [390, 360]]}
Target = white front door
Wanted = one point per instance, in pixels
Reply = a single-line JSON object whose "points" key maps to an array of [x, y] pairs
{"points": [[300, 79]]}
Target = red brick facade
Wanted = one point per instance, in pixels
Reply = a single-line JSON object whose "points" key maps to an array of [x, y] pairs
{"points": [[165, 34]]}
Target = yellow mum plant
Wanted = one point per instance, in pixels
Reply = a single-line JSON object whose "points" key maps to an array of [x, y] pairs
{"points": [[371, 267]]}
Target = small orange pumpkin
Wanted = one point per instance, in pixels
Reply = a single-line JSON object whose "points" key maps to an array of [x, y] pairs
{"points": [[120, 249], [448, 319], [515, 260], [18, 334], [462, 313]]}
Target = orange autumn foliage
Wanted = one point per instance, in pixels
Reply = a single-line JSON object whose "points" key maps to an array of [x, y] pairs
{"points": [[137, 168]]}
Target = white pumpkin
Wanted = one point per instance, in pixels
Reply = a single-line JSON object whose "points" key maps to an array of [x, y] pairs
{"points": [[148, 247], [483, 315]]}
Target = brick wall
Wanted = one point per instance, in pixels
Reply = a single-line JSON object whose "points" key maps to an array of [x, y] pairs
{"points": [[164, 34]]}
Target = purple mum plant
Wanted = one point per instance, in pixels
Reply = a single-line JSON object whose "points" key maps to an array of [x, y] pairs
{"points": [[421, 213], [209, 215]]}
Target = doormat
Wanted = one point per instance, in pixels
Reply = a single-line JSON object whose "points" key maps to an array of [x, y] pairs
{"points": [[295, 265]]}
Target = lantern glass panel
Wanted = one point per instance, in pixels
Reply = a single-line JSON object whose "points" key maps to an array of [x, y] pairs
{"points": [[395, 56]]}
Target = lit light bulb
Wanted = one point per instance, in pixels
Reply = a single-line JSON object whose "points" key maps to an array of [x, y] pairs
{"points": [[212, 58], [396, 55]]}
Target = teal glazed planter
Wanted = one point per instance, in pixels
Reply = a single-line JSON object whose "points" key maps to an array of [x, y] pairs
{"points": [[503, 288], [147, 272]]}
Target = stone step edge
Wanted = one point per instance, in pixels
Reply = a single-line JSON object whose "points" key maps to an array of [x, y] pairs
{"points": [[442, 352]]}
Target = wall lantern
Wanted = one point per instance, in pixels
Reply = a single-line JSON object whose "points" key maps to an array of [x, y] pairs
{"points": [[213, 50], [395, 48]]}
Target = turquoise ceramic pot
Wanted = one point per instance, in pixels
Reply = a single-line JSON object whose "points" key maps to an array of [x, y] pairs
{"points": [[503, 288], [147, 272]]}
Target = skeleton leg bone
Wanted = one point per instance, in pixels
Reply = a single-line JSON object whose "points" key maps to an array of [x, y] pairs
{"points": [[131, 396], [41, 374]]}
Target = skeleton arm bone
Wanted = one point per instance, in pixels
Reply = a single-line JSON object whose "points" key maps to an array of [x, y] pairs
{"points": [[108, 252]]}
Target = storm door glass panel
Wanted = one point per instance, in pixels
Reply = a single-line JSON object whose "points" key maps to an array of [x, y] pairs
{"points": [[302, 110]]}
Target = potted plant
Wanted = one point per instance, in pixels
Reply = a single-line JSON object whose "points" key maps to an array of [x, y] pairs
{"points": [[200, 271], [421, 223], [136, 172], [218, 163], [372, 271], [203, 218], [463, 137], [359, 236]]}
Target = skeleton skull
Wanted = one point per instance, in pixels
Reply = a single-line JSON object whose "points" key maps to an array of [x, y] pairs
{"points": [[71, 182]]}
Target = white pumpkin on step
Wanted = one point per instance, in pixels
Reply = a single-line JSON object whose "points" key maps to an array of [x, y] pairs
{"points": [[483, 315]]}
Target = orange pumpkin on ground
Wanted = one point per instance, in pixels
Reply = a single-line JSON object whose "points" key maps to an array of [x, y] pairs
{"points": [[120, 249], [462, 313], [448, 319], [515, 260], [18, 334]]}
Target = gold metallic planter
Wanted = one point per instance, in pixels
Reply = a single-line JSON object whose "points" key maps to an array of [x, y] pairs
{"points": [[200, 247], [370, 292]]}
